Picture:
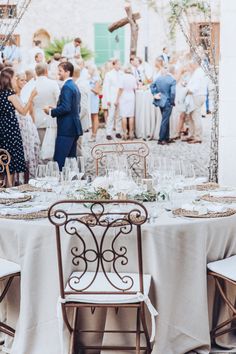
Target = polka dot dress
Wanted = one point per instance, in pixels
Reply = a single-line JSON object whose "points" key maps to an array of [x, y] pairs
{"points": [[10, 136]]}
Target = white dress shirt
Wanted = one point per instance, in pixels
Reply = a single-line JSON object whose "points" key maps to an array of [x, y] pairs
{"points": [[111, 85], [31, 56], [48, 93], [198, 83], [70, 50]]}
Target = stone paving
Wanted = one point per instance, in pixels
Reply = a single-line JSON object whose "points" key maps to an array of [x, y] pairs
{"points": [[197, 154]]}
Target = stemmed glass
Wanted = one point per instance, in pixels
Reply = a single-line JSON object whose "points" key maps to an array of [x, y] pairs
{"points": [[80, 167], [52, 170], [189, 174], [41, 172]]}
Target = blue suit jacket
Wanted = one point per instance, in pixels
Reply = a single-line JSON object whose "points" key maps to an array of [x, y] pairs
{"points": [[67, 111], [166, 85]]}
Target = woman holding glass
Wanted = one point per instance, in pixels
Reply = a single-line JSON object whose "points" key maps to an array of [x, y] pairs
{"points": [[10, 135], [30, 138]]}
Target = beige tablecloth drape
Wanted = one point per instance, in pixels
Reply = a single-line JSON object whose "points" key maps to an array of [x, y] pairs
{"points": [[148, 117], [176, 252]]}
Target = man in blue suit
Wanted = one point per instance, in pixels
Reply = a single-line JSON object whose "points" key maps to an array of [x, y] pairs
{"points": [[164, 91], [67, 113]]}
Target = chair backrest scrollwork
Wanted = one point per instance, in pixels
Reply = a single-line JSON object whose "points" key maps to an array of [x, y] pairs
{"points": [[5, 160], [136, 153], [102, 238]]}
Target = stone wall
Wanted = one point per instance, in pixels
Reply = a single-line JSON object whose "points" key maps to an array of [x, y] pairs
{"points": [[70, 18]]}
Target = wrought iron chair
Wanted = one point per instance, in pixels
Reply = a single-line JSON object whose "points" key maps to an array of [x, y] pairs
{"points": [[99, 258], [8, 270], [5, 160], [136, 153], [223, 272]]}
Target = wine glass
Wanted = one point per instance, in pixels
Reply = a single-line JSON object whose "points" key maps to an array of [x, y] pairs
{"points": [[189, 174], [41, 172], [80, 166]]}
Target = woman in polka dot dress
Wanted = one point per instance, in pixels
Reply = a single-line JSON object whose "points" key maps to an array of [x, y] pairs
{"points": [[10, 135]]}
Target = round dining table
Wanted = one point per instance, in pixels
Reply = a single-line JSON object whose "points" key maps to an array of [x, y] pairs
{"points": [[148, 117], [176, 251]]}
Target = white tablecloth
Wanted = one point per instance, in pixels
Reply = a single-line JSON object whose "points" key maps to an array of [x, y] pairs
{"points": [[148, 117], [176, 252]]}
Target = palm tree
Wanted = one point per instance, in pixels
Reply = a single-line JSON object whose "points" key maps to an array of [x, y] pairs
{"points": [[57, 45]]}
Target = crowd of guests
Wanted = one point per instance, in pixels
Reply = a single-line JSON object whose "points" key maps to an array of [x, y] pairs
{"points": [[35, 92]]}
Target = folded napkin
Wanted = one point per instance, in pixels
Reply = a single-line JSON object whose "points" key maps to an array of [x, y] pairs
{"points": [[11, 195], [226, 194], [205, 209], [22, 210], [40, 183], [125, 185], [200, 180], [101, 182]]}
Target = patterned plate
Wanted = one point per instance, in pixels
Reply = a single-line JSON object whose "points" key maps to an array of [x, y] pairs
{"points": [[210, 198], [28, 188], [195, 214], [30, 216], [9, 201]]}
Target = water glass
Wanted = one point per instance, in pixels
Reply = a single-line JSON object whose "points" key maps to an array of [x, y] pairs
{"points": [[41, 172]]}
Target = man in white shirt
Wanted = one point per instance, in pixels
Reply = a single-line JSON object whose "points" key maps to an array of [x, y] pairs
{"points": [[53, 67], [197, 87], [12, 53], [135, 65], [111, 87], [48, 93], [71, 50], [33, 52], [165, 55]]}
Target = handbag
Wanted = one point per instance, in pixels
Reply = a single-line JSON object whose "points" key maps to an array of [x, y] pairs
{"points": [[49, 141]]}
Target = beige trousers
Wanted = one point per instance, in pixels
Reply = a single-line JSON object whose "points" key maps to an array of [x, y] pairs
{"points": [[195, 122]]}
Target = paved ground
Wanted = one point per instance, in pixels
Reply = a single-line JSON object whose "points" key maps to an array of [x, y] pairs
{"points": [[198, 154]]}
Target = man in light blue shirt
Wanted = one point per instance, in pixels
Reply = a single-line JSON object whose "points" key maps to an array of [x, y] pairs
{"points": [[12, 53]]}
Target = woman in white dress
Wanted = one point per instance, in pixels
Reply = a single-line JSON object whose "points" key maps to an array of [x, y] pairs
{"points": [[126, 102], [30, 138]]}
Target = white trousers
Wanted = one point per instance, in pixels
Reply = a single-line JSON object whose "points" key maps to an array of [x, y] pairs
{"points": [[195, 122], [113, 117]]}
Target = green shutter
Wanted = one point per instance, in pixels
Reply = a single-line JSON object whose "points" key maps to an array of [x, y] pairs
{"points": [[108, 44]]}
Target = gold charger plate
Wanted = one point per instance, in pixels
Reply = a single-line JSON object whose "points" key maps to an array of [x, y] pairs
{"points": [[195, 214], [210, 198], [30, 216], [207, 186], [9, 201], [28, 188]]}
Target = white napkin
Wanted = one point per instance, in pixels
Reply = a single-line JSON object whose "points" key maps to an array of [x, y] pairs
{"points": [[223, 194], [200, 180], [40, 183], [125, 185], [101, 182], [21, 210], [11, 195], [204, 209]]}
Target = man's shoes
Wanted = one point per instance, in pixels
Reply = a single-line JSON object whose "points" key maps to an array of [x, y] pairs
{"points": [[195, 142], [162, 142], [109, 137], [118, 136], [170, 141]]}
